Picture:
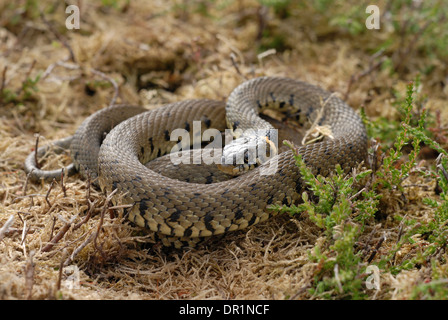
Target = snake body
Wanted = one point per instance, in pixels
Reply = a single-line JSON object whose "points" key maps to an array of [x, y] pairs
{"points": [[181, 213]]}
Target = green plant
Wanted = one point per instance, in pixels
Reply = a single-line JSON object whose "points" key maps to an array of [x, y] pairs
{"points": [[341, 212], [24, 93]]}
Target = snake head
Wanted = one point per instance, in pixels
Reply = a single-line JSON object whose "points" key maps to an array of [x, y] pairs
{"points": [[248, 152]]}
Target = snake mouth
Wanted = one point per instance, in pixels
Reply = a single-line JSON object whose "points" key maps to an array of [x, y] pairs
{"points": [[236, 170], [249, 161]]}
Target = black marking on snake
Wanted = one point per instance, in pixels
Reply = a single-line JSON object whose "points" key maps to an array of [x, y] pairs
{"points": [[175, 215], [188, 232], [285, 201], [142, 150], [143, 206], [209, 179], [207, 219], [272, 96], [291, 100], [207, 122], [159, 153], [235, 125], [270, 199], [151, 144], [185, 244], [187, 126], [167, 135], [196, 194], [252, 220], [238, 214], [259, 104], [172, 230], [282, 104]]}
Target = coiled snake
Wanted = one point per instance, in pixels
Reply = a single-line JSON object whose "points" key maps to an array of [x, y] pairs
{"points": [[181, 213]]}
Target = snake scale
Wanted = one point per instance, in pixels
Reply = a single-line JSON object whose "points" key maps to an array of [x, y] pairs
{"points": [[182, 213]]}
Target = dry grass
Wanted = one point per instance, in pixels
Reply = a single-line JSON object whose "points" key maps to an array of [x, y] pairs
{"points": [[158, 52]]}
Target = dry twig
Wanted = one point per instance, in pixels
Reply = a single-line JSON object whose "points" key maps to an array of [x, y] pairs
{"points": [[2, 85], [29, 276], [58, 36], [235, 65], [36, 147], [59, 235], [377, 247], [64, 189], [112, 81], [6, 226], [48, 192], [355, 78]]}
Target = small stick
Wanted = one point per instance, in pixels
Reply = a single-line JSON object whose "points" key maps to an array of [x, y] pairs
{"points": [[52, 228], [357, 194], [36, 160], [100, 224], [25, 186], [89, 182], [29, 276], [367, 244], [62, 183], [58, 36], [27, 75], [79, 248], [235, 65], [48, 192], [87, 217], [19, 213], [58, 236], [356, 78], [30, 69], [94, 235], [121, 206], [377, 247], [261, 15], [112, 81], [61, 269], [90, 204], [2, 85], [400, 234], [25, 231], [441, 168], [6, 226]]}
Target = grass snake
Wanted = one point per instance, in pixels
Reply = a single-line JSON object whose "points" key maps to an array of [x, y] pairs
{"points": [[183, 211]]}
